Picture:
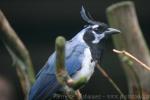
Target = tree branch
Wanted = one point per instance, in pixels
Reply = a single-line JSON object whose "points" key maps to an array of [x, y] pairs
{"points": [[18, 52], [125, 53], [103, 72], [123, 16], [62, 75]]}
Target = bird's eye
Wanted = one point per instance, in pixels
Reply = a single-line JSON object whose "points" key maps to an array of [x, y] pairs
{"points": [[100, 29]]}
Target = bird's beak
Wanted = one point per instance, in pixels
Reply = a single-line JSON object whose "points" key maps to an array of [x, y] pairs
{"points": [[112, 31]]}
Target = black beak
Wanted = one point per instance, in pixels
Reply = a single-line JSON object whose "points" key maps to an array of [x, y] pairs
{"points": [[111, 31]]}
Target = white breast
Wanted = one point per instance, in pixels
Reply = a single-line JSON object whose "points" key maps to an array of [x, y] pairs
{"points": [[87, 66]]}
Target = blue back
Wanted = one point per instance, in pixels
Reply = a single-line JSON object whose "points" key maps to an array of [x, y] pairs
{"points": [[74, 55], [46, 83]]}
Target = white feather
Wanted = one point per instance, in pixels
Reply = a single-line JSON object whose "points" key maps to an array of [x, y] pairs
{"points": [[98, 37], [95, 26], [87, 66]]}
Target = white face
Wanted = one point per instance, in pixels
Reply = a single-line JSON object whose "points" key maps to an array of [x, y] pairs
{"points": [[98, 35], [100, 32], [94, 34]]}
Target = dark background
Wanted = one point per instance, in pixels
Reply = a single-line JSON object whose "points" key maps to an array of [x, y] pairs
{"points": [[39, 22]]}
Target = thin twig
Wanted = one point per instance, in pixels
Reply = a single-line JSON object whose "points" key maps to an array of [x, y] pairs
{"points": [[123, 16], [111, 81], [133, 58], [139, 87]]}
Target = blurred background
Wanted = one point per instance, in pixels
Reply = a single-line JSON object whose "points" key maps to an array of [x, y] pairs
{"points": [[39, 22]]}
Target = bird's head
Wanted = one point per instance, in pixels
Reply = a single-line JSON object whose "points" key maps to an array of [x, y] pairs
{"points": [[96, 32]]}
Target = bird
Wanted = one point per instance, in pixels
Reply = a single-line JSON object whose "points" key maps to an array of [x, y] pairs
{"points": [[81, 55]]}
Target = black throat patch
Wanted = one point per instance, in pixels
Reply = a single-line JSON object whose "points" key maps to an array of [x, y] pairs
{"points": [[96, 49]]}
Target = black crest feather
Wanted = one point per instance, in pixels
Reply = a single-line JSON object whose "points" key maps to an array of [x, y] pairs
{"points": [[86, 16]]}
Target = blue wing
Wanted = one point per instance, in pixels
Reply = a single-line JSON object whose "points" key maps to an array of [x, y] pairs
{"points": [[44, 87], [74, 59], [74, 55], [46, 83]]}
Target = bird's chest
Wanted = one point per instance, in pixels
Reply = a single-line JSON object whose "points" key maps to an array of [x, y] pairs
{"points": [[87, 68]]}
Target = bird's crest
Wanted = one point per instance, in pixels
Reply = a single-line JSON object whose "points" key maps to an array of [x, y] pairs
{"points": [[86, 16]]}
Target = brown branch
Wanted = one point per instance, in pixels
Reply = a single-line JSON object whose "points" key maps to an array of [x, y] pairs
{"points": [[18, 52], [125, 58], [125, 53], [123, 16], [104, 73]]}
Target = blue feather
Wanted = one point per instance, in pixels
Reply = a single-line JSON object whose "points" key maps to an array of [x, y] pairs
{"points": [[73, 60], [46, 83], [44, 87]]}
